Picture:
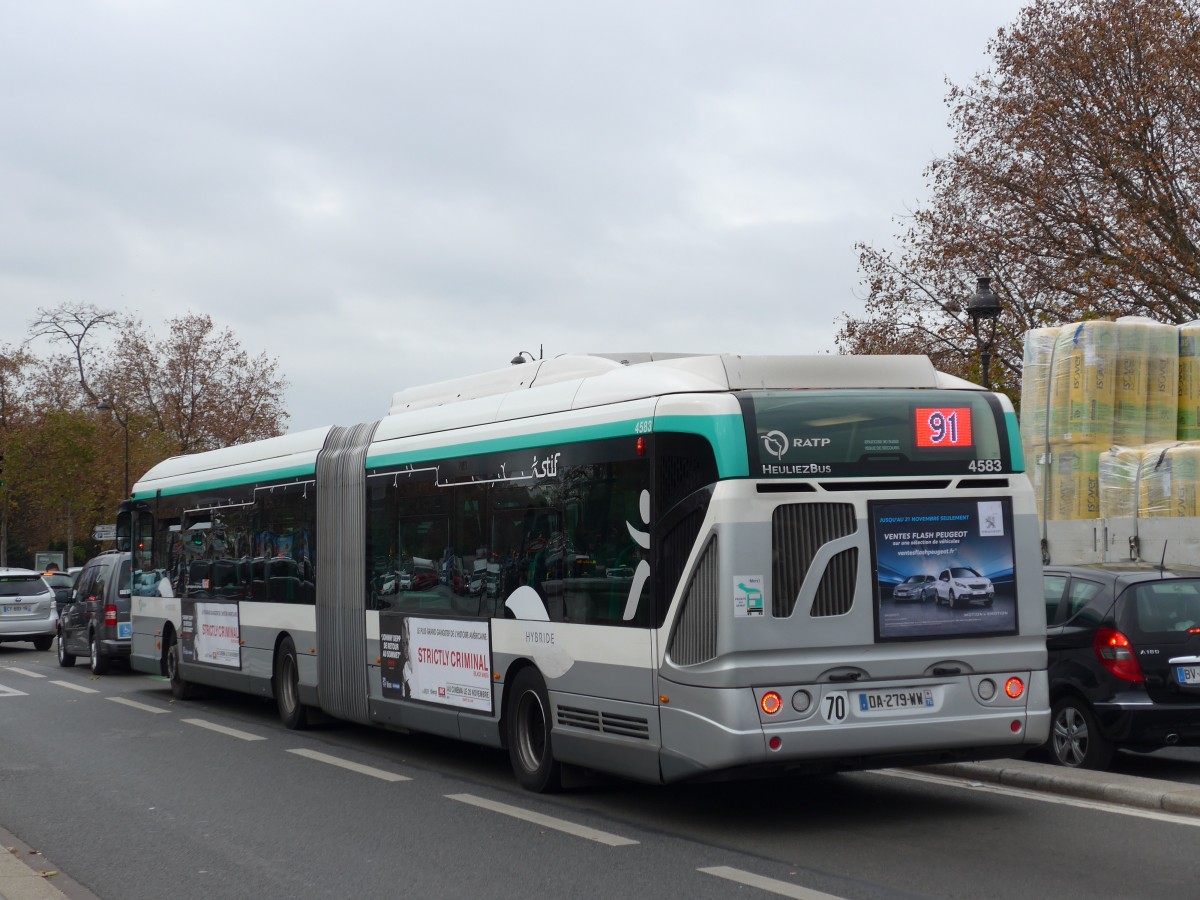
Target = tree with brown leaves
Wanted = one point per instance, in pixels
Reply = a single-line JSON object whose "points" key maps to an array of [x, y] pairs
{"points": [[1073, 184]]}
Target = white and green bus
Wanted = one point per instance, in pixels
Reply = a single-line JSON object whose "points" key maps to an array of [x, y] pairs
{"points": [[663, 567]]}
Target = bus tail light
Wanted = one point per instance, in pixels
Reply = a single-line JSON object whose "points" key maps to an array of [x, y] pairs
{"points": [[771, 703], [1014, 687], [110, 615], [1115, 653]]}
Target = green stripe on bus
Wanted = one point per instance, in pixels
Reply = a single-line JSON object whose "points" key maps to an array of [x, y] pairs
{"points": [[725, 433], [1014, 442], [232, 481]]}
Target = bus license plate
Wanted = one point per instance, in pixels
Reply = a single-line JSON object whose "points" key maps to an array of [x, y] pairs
{"points": [[17, 610], [888, 701], [1188, 674]]}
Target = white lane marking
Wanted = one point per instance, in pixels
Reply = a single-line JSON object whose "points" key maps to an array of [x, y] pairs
{"points": [[1012, 791], [76, 687], [145, 706], [24, 672], [783, 888], [232, 732], [591, 834], [352, 766], [11, 692]]}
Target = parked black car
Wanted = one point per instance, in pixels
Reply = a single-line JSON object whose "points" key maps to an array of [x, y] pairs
{"points": [[1124, 660], [96, 622]]}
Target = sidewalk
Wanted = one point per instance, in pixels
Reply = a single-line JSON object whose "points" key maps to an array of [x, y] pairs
{"points": [[20, 869], [1105, 787]]}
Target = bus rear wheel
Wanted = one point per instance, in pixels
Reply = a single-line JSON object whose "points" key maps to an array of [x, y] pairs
{"points": [[292, 712], [530, 750]]}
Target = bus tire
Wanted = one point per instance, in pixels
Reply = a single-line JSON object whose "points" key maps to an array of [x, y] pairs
{"points": [[98, 662], [180, 688], [292, 712], [530, 749]]}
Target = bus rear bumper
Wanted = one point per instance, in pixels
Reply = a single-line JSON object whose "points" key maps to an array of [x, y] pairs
{"points": [[732, 737]]}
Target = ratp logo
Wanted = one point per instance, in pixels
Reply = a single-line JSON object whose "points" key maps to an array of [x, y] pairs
{"points": [[775, 443]]}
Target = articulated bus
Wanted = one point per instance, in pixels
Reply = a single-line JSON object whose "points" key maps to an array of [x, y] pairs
{"points": [[663, 567]]}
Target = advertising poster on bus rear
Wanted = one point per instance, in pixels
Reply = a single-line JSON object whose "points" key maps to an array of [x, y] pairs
{"points": [[943, 568], [442, 661]]}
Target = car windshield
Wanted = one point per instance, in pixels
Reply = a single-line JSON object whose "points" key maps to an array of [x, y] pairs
{"points": [[58, 580], [964, 572], [1170, 605], [21, 585], [914, 579]]}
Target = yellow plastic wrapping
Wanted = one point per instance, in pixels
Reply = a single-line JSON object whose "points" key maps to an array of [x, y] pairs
{"points": [[1189, 382], [1083, 384], [1035, 387], [1147, 391], [1118, 481], [1074, 489], [1170, 476]]}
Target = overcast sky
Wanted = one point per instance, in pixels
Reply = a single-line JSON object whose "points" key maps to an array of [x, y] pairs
{"points": [[380, 195]]}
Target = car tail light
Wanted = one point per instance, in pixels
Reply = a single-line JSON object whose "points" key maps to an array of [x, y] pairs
{"points": [[1116, 654], [110, 615]]}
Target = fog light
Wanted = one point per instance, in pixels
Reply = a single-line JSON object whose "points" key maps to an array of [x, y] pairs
{"points": [[801, 701], [987, 689]]}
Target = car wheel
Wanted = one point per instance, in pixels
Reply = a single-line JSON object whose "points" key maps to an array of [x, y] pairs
{"points": [[99, 662], [43, 643], [1075, 738], [530, 749], [953, 601], [65, 659], [292, 712], [180, 688]]}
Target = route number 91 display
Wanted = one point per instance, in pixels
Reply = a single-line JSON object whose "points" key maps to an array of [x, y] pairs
{"points": [[944, 426]]}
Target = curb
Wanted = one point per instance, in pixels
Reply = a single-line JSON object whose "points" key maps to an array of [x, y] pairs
{"points": [[1124, 790]]}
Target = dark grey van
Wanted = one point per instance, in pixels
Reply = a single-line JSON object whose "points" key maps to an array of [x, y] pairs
{"points": [[96, 623]]}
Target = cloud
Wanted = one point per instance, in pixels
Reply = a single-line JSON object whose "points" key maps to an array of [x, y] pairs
{"points": [[383, 194]]}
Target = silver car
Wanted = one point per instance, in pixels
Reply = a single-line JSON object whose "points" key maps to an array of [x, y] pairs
{"points": [[27, 608]]}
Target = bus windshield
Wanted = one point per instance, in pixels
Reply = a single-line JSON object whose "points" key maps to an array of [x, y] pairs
{"points": [[871, 433]]}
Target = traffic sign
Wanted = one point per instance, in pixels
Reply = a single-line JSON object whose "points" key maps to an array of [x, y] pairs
{"points": [[104, 533]]}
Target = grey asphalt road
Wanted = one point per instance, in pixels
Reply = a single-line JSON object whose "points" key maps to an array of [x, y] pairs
{"points": [[131, 795]]}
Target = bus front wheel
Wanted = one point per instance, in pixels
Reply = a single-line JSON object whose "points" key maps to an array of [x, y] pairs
{"points": [[292, 712], [180, 688], [530, 749]]}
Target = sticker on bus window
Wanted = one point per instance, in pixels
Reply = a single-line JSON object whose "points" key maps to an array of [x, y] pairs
{"points": [[747, 595], [943, 426]]}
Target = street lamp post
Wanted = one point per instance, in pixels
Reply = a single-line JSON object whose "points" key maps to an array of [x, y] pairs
{"points": [[984, 310], [520, 357], [104, 406]]}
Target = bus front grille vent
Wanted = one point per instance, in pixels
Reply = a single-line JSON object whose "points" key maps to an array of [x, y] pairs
{"points": [[836, 591], [605, 722], [694, 639], [798, 531]]}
